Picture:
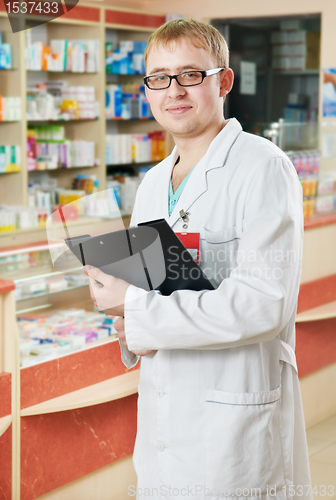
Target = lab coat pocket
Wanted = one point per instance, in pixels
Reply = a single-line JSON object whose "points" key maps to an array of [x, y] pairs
{"points": [[219, 253], [242, 447]]}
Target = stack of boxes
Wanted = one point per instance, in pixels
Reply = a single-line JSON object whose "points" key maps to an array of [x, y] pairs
{"points": [[56, 100], [126, 102], [307, 164], [47, 149], [5, 54], [47, 337], [10, 109], [76, 56], [10, 159], [79, 103], [326, 193], [128, 59], [135, 148], [294, 49], [15, 217]]}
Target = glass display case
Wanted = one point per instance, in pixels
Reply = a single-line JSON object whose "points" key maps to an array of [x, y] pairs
{"points": [[54, 311], [293, 136]]}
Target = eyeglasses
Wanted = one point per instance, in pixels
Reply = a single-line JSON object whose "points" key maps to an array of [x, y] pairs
{"points": [[185, 79]]}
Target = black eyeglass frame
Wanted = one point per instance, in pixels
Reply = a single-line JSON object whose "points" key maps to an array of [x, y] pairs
{"points": [[208, 72]]}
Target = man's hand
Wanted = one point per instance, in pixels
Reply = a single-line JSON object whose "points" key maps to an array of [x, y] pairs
{"points": [[109, 293], [119, 325]]}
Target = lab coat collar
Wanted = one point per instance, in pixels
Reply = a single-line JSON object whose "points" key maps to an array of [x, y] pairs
{"points": [[215, 157], [220, 146]]}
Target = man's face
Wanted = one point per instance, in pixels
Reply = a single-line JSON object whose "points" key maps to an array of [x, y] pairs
{"points": [[185, 111]]}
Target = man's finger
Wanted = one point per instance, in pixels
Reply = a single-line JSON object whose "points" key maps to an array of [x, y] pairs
{"points": [[119, 324], [96, 274]]}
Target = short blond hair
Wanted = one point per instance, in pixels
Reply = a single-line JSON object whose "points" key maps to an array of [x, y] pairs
{"points": [[201, 35]]}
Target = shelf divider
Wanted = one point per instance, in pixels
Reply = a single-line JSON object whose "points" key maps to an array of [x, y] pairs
{"points": [[5, 423], [326, 311]]}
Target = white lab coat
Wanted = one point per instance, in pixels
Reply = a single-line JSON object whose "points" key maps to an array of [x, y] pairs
{"points": [[219, 409]]}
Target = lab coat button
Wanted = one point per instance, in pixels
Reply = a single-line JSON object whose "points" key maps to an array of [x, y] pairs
{"points": [[161, 447], [159, 393]]}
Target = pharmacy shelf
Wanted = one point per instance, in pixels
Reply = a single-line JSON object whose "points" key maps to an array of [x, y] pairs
{"points": [[62, 72], [50, 274], [326, 311], [103, 392], [5, 423], [45, 294], [142, 75], [83, 21], [13, 171], [62, 169], [304, 72], [95, 22], [132, 163], [31, 121], [37, 234]]}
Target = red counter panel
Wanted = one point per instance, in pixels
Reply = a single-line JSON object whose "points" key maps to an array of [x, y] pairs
{"points": [[316, 340], [5, 394], [315, 345], [6, 464], [70, 373], [60, 447], [316, 293], [6, 285]]}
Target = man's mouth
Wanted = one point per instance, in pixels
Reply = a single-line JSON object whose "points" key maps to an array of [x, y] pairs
{"points": [[178, 109]]}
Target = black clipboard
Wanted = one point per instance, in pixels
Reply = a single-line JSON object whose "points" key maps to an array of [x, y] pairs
{"points": [[182, 272], [149, 256]]}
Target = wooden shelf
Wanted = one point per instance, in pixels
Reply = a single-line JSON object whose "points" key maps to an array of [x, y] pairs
{"points": [[129, 119], [61, 169], [62, 72], [296, 72], [320, 220], [11, 171], [5, 423], [108, 390], [326, 311], [60, 121]]}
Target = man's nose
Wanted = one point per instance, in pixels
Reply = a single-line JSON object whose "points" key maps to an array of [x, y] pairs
{"points": [[175, 89]]}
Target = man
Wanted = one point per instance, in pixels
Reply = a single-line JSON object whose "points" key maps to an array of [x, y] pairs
{"points": [[219, 410]]}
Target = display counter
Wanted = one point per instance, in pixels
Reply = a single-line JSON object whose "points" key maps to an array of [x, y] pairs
{"points": [[316, 319], [69, 393], [82, 406]]}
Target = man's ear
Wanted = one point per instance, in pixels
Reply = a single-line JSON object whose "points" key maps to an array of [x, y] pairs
{"points": [[226, 82]]}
